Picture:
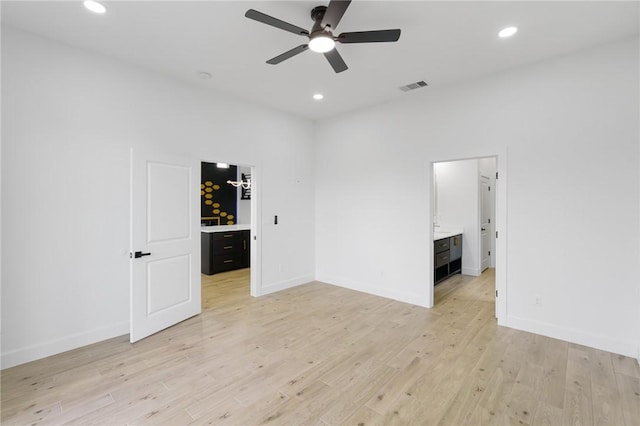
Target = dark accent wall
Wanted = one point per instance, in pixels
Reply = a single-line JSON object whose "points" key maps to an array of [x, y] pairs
{"points": [[218, 199]]}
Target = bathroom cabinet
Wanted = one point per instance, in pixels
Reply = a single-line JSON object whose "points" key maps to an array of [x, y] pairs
{"points": [[224, 250], [447, 257]]}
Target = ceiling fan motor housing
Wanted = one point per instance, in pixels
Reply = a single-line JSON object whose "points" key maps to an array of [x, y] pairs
{"points": [[317, 14]]}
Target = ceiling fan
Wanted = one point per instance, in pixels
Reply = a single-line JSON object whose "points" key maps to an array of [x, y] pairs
{"points": [[321, 38]]}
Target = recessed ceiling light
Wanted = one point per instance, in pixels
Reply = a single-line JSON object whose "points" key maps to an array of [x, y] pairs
{"points": [[94, 6], [507, 32], [318, 96]]}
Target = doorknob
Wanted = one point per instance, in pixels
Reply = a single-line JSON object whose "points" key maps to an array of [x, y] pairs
{"points": [[483, 229], [140, 254]]}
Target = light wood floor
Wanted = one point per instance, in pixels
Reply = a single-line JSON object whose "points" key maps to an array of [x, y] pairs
{"points": [[322, 355]]}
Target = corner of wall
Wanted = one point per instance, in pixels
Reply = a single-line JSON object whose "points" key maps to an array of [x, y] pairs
{"points": [[474, 272], [283, 285], [394, 294]]}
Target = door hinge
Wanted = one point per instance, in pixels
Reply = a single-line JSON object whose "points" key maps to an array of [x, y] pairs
{"points": [[489, 220], [489, 252], [496, 234], [496, 175], [496, 293], [489, 188]]}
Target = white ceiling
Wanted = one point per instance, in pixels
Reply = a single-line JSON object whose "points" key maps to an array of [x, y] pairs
{"points": [[442, 42]]}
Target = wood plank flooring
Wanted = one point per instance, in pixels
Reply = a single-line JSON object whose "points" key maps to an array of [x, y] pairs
{"points": [[323, 355]]}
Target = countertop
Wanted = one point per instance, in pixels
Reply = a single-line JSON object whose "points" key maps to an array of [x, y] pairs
{"points": [[225, 228], [445, 233]]}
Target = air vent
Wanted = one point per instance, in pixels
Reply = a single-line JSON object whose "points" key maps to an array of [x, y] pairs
{"points": [[413, 86]]}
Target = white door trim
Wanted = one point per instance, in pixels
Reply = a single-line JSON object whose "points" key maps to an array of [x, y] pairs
{"points": [[500, 227], [255, 246]]}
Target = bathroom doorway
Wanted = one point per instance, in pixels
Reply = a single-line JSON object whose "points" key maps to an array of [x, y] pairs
{"points": [[464, 204]]}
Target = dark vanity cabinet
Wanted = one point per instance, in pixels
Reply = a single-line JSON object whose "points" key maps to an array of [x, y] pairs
{"points": [[447, 257], [224, 251]]}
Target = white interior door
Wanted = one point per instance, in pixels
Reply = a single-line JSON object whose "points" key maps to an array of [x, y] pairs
{"points": [[165, 242], [485, 223]]}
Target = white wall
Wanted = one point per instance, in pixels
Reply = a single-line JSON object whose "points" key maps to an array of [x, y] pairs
{"points": [[69, 118], [567, 132], [457, 192]]}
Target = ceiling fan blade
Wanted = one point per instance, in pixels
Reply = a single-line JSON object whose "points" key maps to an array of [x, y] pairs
{"points": [[336, 60], [274, 22], [286, 55], [334, 12], [369, 36]]}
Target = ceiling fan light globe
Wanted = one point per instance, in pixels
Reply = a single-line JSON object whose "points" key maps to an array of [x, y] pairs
{"points": [[507, 32], [94, 6], [321, 44]]}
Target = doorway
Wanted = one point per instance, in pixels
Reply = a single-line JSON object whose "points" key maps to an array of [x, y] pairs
{"points": [[464, 196], [228, 231]]}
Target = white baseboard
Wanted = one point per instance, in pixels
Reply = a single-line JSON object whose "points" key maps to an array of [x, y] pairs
{"points": [[471, 271], [283, 285], [412, 298], [621, 347], [53, 347]]}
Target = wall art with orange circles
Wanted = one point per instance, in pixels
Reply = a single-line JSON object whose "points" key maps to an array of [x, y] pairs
{"points": [[218, 199]]}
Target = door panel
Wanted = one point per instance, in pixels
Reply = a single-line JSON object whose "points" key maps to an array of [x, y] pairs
{"points": [[169, 212], [165, 281], [168, 283], [485, 223]]}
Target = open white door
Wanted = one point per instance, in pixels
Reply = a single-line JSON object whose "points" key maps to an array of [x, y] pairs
{"points": [[485, 223], [165, 241]]}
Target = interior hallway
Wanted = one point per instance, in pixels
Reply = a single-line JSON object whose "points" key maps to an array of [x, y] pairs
{"points": [[326, 355]]}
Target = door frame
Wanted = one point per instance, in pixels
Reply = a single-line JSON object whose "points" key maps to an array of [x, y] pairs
{"points": [[255, 247], [500, 228]]}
